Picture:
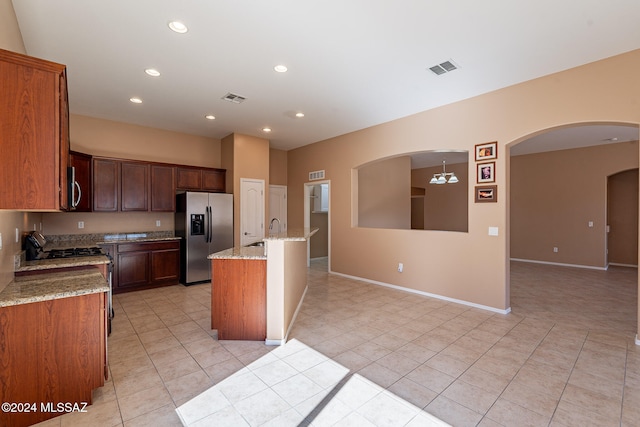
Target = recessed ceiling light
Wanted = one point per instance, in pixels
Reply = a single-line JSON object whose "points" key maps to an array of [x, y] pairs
{"points": [[210, 117], [300, 114], [266, 129], [280, 68], [178, 27], [136, 100], [152, 72]]}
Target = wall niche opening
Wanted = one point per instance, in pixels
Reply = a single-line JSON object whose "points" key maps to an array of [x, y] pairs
{"points": [[395, 192]]}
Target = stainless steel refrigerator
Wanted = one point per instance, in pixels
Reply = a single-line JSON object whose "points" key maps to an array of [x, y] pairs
{"points": [[205, 223]]}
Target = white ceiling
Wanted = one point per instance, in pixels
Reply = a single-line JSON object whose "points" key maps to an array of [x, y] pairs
{"points": [[352, 64]]}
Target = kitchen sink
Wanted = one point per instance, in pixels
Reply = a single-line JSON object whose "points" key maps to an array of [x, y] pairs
{"points": [[261, 243]]}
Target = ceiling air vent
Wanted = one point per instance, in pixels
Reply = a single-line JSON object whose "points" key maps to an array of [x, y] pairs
{"points": [[235, 98], [313, 176], [444, 67]]}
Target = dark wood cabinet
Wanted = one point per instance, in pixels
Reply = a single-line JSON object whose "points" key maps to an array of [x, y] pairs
{"points": [[163, 188], [131, 185], [34, 133], [201, 179], [214, 180], [143, 265], [106, 182], [189, 178], [81, 188], [134, 186]]}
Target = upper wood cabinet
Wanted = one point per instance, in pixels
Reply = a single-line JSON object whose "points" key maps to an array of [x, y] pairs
{"points": [[134, 186], [163, 188], [130, 185], [81, 188], [203, 179], [106, 184], [34, 135]]}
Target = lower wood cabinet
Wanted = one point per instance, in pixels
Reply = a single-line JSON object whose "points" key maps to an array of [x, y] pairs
{"points": [[239, 299], [51, 352], [143, 265]]}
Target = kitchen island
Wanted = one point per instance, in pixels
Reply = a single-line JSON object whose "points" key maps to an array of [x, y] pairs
{"points": [[257, 290]]}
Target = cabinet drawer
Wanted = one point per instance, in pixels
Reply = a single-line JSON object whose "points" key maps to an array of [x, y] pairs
{"points": [[148, 246]]}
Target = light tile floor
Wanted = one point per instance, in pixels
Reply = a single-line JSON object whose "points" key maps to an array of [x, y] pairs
{"points": [[565, 356]]}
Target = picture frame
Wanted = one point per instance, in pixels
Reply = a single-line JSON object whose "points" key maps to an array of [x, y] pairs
{"points": [[486, 194], [486, 151], [486, 172]]}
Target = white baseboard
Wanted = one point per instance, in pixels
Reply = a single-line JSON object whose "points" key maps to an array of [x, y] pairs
{"points": [[533, 261], [427, 294], [617, 264]]}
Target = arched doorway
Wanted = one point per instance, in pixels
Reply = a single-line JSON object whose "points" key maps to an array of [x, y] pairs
{"points": [[622, 218], [558, 203]]}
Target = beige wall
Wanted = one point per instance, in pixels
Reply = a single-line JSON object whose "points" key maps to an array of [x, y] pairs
{"points": [[318, 243], [107, 138], [555, 195], [478, 272], [384, 194], [277, 167], [446, 206], [11, 39], [250, 156]]}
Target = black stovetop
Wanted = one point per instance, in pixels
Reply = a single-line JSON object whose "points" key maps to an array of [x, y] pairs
{"points": [[73, 252]]}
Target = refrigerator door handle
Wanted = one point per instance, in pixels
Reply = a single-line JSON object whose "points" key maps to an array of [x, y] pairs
{"points": [[209, 228], [206, 224]]}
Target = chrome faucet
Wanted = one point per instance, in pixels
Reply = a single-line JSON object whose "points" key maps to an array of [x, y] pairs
{"points": [[271, 225]]}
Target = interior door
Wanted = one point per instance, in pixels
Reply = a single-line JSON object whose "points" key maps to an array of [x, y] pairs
{"points": [[251, 210], [278, 206]]}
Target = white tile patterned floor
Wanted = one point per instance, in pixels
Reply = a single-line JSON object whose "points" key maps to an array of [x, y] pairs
{"points": [[296, 385], [565, 356]]}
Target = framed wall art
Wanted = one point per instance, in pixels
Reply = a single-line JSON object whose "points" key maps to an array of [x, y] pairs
{"points": [[486, 172], [486, 151], [486, 194]]}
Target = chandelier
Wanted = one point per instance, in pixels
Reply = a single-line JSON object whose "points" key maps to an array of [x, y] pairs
{"points": [[444, 177]]}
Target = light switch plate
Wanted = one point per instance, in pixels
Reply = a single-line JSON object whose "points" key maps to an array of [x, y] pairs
{"points": [[493, 231]]}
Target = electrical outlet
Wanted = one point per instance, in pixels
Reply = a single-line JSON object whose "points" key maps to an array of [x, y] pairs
{"points": [[555, 249], [17, 236], [157, 223], [400, 267], [80, 224]]}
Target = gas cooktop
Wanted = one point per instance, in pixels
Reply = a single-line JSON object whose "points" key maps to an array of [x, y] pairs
{"points": [[74, 252]]}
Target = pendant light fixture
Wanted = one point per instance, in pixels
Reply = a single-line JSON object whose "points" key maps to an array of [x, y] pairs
{"points": [[444, 177]]}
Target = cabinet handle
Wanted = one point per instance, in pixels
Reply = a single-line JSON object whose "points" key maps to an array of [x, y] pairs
{"points": [[77, 202]]}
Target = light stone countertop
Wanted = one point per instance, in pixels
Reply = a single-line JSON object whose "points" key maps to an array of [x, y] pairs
{"points": [[259, 252], [49, 286], [47, 264]]}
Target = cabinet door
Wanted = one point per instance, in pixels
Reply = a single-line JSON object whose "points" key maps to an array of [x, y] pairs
{"points": [[163, 188], [63, 140], [133, 269], [165, 266], [34, 159], [134, 181], [106, 181], [213, 180], [82, 165], [189, 179]]}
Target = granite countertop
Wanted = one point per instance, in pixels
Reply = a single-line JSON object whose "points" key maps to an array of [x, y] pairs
{"points": [[86, 240], [52, 285], [48, 264], [259, 252]]}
